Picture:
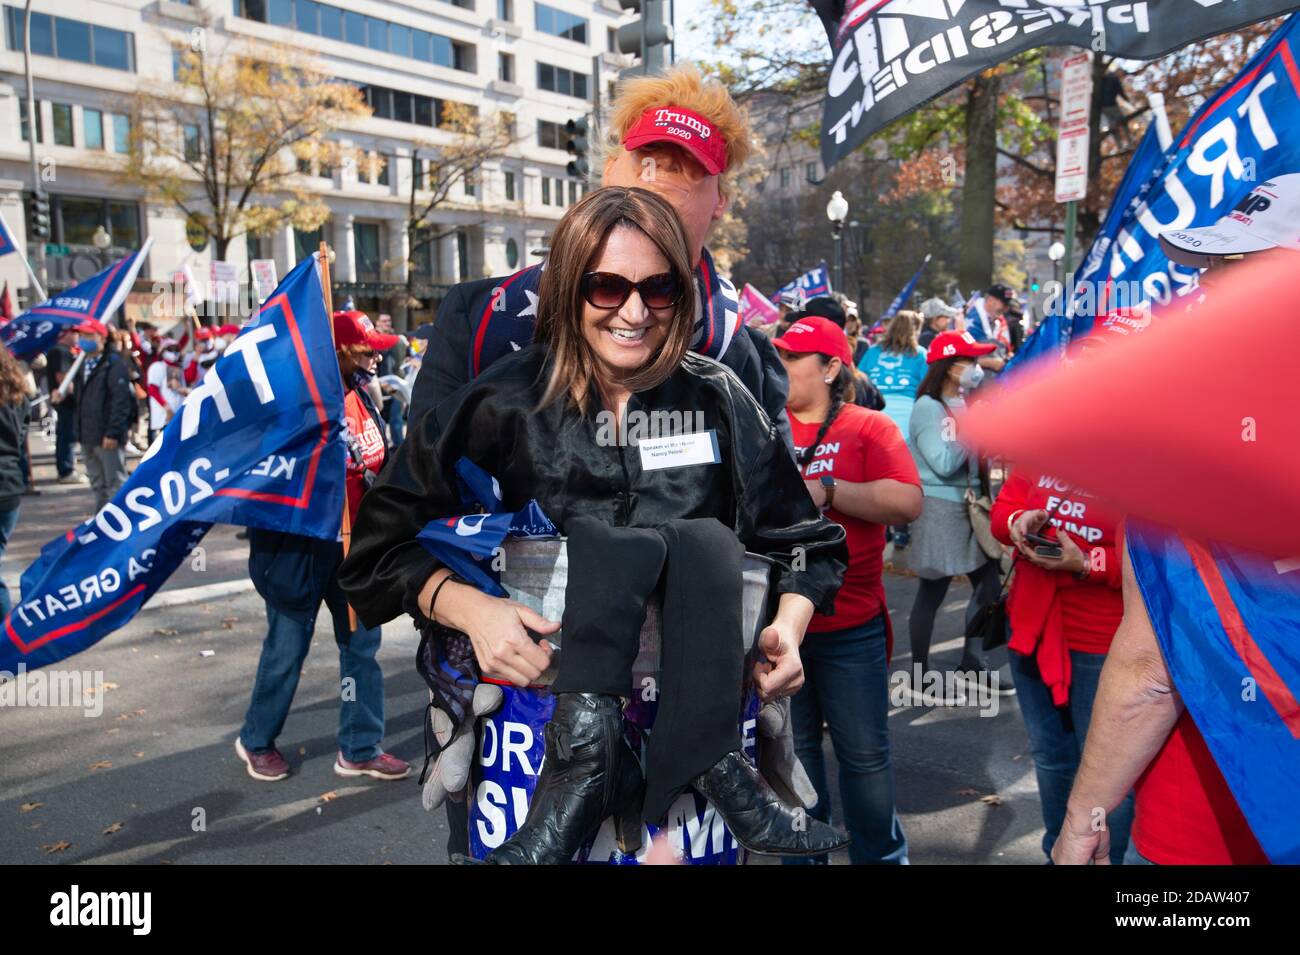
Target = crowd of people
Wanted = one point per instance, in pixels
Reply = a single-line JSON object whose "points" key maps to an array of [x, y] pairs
{"points": [[835, 448]]}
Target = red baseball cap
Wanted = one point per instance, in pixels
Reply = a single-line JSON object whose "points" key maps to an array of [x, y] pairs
{"points": [[813, 333], [354, 328], [92, 326], [228, 330], [686, 128], [203, 334], [957, 344]]}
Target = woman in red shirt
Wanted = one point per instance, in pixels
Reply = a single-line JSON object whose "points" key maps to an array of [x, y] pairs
{"points": [[857, 468], [1064, 612]]}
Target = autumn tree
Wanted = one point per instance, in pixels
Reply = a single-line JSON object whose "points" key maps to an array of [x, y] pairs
{"points": [[227, 142], [452, 156]]}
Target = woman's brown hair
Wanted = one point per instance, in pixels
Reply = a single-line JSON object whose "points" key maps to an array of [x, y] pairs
{"points": [[901, 336], [576, 246], [13, 382]]}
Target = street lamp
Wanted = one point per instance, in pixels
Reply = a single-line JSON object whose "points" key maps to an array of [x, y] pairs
{"points": [[1056, 252], [837, 210], [102, 240]]}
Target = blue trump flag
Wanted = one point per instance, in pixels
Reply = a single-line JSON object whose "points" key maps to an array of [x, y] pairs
{"points": [[7, 242], [1241, 137], [812, 284], [1228, 624], [901, 298], [257, 442], [35, 331]]}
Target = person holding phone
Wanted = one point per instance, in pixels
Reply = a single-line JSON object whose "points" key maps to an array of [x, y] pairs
{"points": [[1064, 605]]}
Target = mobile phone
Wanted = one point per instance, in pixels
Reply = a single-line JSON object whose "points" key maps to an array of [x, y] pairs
{"points": [[1044, 546]]}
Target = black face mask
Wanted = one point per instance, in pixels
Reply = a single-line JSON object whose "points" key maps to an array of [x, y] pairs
{"points": [[362, 378]]}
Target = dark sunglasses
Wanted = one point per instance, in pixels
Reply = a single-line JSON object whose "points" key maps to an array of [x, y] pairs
{"points": [[609, 290]]}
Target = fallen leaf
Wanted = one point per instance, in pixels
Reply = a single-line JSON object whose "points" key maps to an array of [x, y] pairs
{"points": [[54, 847], [115, 827], [165, 632], [992, 800], [29, 806], [140, 712], [115, 729], [329, 796], [34, 826], [230, 620], [138, 755], [102, 764]]}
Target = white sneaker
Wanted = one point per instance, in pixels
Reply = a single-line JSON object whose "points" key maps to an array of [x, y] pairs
{"points": [[73, 478]]}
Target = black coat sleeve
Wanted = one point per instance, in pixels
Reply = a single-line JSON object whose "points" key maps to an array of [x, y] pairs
{"points": [[120, 396], [775, 385], [445, 365], [776, 517], [386, 566]]}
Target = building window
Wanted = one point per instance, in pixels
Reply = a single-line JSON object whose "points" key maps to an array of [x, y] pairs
{"points": [[462, 254], [62, 115], [510, 186], [193, 142], [810, 171], [121, 132], [92, 128], [305, 243], [507, 121], [551, 135], [573, 191], [308, 16], [404, 107], [611, 39], [74, 220], [365, 246], [469, 183], [506, 67], [512, 253], [75, 40], [22, 120], [546, 191], [785, 177], [560, 23], [557, 79], [506, 10], [559, 193]]}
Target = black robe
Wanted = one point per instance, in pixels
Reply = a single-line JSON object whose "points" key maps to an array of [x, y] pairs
{"points": [[553, 455]]}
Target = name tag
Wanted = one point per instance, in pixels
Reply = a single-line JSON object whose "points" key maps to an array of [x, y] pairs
{"points": [[680, 450]]}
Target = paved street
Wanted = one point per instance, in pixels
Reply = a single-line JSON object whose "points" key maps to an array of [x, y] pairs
{"points": [[132, 784]]}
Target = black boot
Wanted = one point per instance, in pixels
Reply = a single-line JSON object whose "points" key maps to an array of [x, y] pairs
{"points": [[757, 818], [589, 773]]}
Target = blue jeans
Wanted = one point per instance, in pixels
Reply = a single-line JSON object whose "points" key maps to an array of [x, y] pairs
{"points": [[1057, 748], [846, 674], [7, 521], [64, 463], [288, 637]]}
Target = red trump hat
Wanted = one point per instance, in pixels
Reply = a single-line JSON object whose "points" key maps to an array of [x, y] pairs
{"points": [[355, 328], [813, 333], [686, 128], [958, 345]]}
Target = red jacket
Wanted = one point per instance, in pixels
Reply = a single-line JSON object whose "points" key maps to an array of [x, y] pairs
{"points": [[1051, 611]]}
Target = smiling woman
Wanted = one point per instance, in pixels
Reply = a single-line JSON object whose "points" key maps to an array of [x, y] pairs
{"points": [[616, 308]]}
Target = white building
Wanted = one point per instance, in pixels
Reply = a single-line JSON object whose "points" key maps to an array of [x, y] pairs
{"points": [[532, 59]]}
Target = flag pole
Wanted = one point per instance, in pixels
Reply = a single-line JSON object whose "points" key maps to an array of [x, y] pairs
{"points": [[31, 272], [327, 288]]}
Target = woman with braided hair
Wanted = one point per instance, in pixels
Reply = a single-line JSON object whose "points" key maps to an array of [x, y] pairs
{"points": [[858, 470]]}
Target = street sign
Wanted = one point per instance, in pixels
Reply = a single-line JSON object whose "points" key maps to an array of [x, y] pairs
{"points": [[1072, 132], [54, 250]]}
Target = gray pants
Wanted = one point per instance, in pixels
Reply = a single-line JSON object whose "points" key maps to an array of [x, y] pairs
{"points": [[106, 470]]}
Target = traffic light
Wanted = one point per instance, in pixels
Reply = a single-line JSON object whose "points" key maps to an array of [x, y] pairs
{"points": [[577, 145], [647, 38], [39, 226]]}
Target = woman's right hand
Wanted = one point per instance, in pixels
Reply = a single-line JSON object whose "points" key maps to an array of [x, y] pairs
{"points": [[496, 630], [505, 651], [1027, 522]]}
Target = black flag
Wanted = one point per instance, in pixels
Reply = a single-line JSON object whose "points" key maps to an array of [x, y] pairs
{"points": [[892, 56]]}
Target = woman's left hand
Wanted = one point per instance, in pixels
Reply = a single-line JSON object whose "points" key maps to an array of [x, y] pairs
{"points": [[781, 674], [1072, 558]]}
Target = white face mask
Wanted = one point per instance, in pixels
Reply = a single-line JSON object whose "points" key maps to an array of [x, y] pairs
{"points": [[971, 377]]}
